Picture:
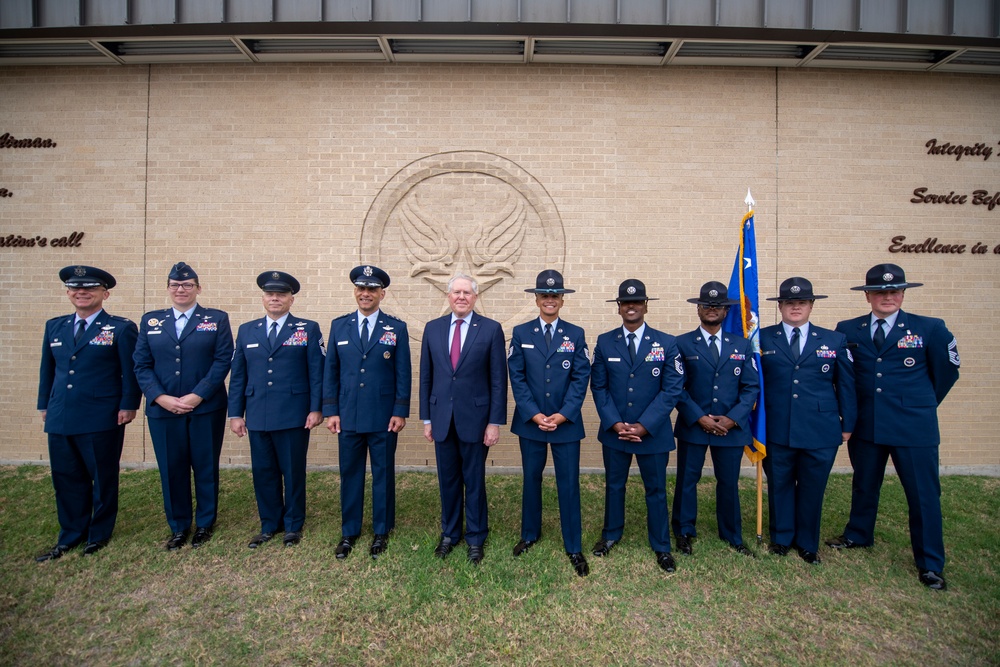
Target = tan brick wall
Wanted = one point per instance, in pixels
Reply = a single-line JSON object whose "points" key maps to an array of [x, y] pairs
{"points": [[620, 172]]}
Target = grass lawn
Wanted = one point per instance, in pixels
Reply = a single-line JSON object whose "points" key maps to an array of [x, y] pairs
{"points": [[136, 604]]}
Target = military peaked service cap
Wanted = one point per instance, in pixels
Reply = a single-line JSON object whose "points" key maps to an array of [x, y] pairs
{"points": [[86, 276], [181, 271], [882, 277], [632, 290], [369, 276], [796, 289], [549, 281], [714, 293], [278, 281]]}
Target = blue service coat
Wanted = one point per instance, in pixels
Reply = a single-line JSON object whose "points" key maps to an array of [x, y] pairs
{"points": [[474, 394], [729, 389], [82, 386], [277, 387], [197, 363], [367, 385], [645, 392], [900, 386], [548, 380], [811, 399]]}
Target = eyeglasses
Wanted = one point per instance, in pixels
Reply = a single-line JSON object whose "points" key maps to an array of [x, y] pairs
{"points": [[181, 287]]}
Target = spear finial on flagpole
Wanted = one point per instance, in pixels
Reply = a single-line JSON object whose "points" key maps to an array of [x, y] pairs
{"points": [[749, 201]]}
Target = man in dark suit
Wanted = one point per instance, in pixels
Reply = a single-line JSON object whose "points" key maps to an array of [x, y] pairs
{"points": [[636, 381], [811, 410], [721, 385], [549, 367], [182, 359], [463, 403], [87, 393], [905, 365], [277, 383], [366, 400]]}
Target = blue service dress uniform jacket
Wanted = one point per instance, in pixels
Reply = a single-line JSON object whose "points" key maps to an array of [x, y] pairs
{"points": [[549, 379], [729, 388], [197, 362], [899, 388], [366, 383], [82, 386], [276, 387]]}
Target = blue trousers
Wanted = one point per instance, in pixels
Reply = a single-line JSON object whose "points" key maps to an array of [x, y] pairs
{"points": [[653, 470], [85, 479], [278, 462], [566, 461], [185, 444], [918, 469], [796, 484], [726, 461], [355, 449], [462, 475]]}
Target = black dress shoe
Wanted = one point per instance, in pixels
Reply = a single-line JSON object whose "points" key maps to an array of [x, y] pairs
{"points": [[93, 547], [809, 556], [666, 561], [444, 547], [742, 550], [176, 541], [603, 547], [933, 580], [579, 564], [379, 544], [291, 538], [778, 549], [201, 536], [475, 554], [842, 542], [55, 552], [345, 546], [523, 546], [684, 544], [259, 539]]}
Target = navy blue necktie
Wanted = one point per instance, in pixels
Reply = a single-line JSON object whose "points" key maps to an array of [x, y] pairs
{"points": [[273, 334], [81, 325], [631, 347], [879, 337], [713, 350]]}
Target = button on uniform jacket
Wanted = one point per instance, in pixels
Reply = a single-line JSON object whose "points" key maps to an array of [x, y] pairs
{"points": [[644, 392], [728, 389], [83, 385], [197, 363], [548, 379], [277, 387], [900, 386], [810, 399], [367, 384]]}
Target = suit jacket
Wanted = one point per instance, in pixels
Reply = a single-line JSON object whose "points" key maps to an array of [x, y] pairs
{"points": [[367, 384], [474, 394], [900, 386], [197, 363], [645, 392], [277, 387], [729, 388], [548, 380], [811, 398], [82, 386]]}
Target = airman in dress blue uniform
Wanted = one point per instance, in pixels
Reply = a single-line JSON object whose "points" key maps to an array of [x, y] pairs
{"points": [[277, 383], [721, 385], [366, 400], [811, 410], [87, 393], [905, 365], [549, 365], [182, 359], [636, 381]]}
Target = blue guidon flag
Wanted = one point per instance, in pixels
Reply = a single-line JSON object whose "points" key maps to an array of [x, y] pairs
{"points": [[745, 322]]}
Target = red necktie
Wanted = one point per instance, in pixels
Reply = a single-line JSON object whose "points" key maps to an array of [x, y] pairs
{"points": [[456, 344]]}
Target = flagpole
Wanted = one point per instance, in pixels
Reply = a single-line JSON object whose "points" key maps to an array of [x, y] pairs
{"points": [[760, 468]]}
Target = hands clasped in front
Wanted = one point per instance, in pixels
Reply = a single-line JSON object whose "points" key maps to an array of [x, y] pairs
{"points": [[715, 425], [630, 432]]}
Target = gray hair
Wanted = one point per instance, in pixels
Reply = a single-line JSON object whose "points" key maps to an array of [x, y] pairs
{"points": [[462, 276]]}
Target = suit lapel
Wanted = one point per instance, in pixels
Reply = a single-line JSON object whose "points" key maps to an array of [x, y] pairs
{"points": [[781, 343], [473, 323], [812, 343], [374, 336], [194, 319], [892, 338], [645, 345], [71, 335]]}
